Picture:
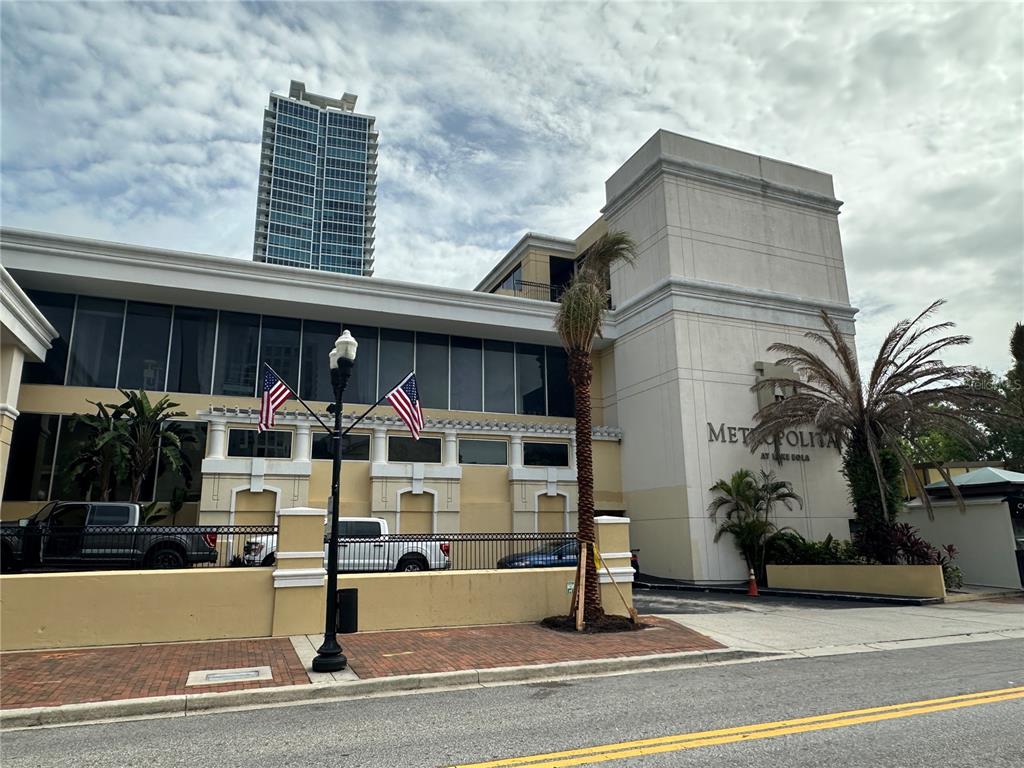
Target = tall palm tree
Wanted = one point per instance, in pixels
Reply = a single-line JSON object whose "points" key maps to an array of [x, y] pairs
{"points": [[908, 392], [149, 431], [578, 322]]}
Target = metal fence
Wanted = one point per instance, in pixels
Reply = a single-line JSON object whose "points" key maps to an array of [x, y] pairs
{"points": [[219, 546], [120, 546], [456, 551]]}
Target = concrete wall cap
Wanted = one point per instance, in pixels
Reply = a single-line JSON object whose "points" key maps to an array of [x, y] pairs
{"points": [[303, 512]]}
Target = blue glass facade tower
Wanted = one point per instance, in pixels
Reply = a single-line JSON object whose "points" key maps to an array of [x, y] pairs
{"points": [[318, 184]]}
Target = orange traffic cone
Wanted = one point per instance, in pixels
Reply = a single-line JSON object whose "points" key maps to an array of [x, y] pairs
{"points": [[752, 584]]}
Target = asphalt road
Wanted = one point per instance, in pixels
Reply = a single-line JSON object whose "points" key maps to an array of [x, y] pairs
{"points": [[495, 723]]}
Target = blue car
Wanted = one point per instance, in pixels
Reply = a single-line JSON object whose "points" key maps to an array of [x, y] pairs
{"points": [[551, 554]]}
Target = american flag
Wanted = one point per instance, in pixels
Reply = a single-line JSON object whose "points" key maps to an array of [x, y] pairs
{"points": [[405, 399], [275, 393]]}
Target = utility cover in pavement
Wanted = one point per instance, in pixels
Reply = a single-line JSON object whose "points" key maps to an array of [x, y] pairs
{"points": [[222, 676]]}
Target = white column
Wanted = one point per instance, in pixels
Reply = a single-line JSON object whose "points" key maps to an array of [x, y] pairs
{"points": [[216, 444], [380, 449], [303, 443], [572, 451], [517, 451], [451, 449]]}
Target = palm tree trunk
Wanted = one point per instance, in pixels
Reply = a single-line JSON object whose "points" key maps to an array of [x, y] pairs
{"points": [[581, 373]]}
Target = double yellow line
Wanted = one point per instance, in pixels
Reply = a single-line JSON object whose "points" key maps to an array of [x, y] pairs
{"points": [[627, 749]]}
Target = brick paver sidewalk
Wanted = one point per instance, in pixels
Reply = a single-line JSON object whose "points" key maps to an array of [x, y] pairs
{"points": [[52, 678], [382, 654]]}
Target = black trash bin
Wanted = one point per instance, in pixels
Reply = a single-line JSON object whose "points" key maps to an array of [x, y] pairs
{"points": [[348, 611]]}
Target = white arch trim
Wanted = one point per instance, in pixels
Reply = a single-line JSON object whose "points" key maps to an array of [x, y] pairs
{"points": [[248, 487]]}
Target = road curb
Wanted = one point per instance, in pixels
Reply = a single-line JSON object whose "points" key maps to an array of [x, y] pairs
{"points": [[183, 705]]}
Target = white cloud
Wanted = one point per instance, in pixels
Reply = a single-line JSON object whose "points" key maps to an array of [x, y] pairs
{"points": [[141, 123]]}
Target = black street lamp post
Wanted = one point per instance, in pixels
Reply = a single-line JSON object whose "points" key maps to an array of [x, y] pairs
{"points": [[329, 657]]}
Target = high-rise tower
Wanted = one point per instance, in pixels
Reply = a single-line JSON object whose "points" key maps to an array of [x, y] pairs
{"points": [[318, 184]]}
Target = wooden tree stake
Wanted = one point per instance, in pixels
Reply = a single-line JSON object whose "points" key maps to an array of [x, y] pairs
{"points": [[582, 586]]}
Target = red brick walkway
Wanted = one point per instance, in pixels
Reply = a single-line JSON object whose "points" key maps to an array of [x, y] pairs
{"points": [[51, 678], [382, 654]]}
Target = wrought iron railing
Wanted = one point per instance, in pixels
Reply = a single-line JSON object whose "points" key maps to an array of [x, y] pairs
{"points": [[212, 546], [145, 546], [457, 551]]}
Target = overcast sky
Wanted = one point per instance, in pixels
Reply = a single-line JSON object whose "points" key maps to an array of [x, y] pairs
{"points": [[141, 124]]}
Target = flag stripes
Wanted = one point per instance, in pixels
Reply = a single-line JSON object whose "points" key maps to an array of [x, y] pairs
{"points": [[405, 399]]}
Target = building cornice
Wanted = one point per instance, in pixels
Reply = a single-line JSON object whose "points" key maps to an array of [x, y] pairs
{"points": [[153, 274], [482, 426], [527, 241], [722, 300], [23, 320], [720, 177]]}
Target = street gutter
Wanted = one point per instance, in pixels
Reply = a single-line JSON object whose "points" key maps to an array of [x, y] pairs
{"points": [[186, 705]]}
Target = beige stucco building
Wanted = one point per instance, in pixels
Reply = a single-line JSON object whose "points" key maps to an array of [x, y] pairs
{"points": [[737, 252]]}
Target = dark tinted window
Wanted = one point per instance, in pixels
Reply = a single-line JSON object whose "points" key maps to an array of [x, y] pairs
{"points": [[95, 342], [499, 377], [237, 337], [246, 443], [192, 341], [530, 376], [279, 348], [317, 342], [362, 386], [560, 394], [396, 349], [353, 447], [71, 516], [59, 309], [109, 514], [70, 442], [144, 351], [483, 452], [467, 374], [30, 464], [432, 370], [426, 450], [168, 480], [546, 454], [359, 529]]}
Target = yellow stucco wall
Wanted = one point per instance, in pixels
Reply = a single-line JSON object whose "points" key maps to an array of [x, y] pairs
{"points": [[61, 610], [899, 580], [460, 598], [590, 235], [486, 504]]}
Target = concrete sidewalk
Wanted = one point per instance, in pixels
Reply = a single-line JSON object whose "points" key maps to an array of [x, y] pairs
{"points": [[177, 679], [809, 628]]}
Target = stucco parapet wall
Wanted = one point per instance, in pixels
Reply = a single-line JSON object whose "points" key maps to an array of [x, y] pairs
{"points": [[487, 427], [720, 177], [79, 265], [679, 294], [20, 318]]}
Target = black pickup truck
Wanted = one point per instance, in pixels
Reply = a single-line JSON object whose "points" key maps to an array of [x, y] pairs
{"points": [[73, 534]]}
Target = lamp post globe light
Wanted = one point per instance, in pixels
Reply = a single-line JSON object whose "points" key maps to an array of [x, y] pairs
{"points": [[329, 657]]}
